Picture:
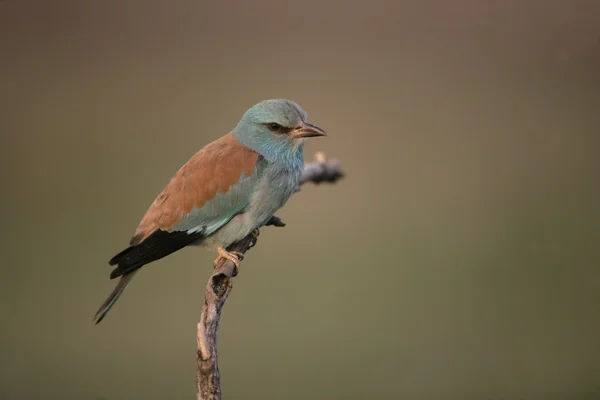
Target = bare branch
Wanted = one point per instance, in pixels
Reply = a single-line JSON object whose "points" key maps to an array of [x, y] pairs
{"points": [[208, 382], [321, 171]]}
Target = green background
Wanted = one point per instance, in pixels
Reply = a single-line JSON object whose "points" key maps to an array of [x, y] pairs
{"points": [[458, 259]]}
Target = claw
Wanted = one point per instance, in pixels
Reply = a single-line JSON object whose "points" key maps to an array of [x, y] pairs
{"points": [[234, 256], [254, 235]]}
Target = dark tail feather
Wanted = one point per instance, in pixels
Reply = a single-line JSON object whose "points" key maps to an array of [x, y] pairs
{"points": [[156, 246], [113, 297]]}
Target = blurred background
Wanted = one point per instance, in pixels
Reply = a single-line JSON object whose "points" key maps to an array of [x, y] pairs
{"points": [[458, 259]]}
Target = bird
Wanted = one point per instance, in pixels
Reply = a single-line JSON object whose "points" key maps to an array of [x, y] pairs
{"points": [[223, 193]]}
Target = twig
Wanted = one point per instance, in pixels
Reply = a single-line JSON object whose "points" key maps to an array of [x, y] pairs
{"points": [[208, 382]]}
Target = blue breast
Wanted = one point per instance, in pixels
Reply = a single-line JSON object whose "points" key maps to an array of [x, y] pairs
{"points": [[279, 181]]}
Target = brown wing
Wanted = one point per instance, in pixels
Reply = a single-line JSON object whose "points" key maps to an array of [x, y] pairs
{"points": [[215, 169], [212, 170]]}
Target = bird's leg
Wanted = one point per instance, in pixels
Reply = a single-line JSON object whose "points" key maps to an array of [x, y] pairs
{"points": [[234, 256]]}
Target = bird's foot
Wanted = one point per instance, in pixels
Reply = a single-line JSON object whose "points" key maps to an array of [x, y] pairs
{"points": [[234, 256], [254, 237]]}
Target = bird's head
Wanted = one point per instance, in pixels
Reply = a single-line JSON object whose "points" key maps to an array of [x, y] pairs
{"points": [[275, 126]]}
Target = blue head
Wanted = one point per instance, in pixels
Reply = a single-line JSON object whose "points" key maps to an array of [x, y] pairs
{"points": [[275, 129]]}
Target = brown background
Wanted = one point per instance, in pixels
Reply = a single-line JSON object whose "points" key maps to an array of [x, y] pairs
{"points": [[458, 260]]}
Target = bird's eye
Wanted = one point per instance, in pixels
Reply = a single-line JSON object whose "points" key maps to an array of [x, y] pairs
{"points": [[273, 126]]}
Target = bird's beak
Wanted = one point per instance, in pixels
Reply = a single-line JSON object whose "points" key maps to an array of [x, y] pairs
{"points": [[307, 130]]}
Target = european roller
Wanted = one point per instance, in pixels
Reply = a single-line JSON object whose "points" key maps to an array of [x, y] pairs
{"points": [[224, 192]]}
